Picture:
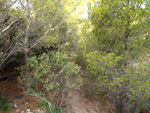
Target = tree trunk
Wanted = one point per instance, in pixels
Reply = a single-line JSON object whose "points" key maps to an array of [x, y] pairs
{"points": [[26, 50], [124, 91]]}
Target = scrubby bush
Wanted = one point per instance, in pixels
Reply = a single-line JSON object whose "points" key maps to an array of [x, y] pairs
{"points": [[57, 72], [130, 89]]}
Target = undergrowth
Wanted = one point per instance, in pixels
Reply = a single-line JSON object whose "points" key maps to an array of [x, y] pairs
{"points": [[4, 105]]}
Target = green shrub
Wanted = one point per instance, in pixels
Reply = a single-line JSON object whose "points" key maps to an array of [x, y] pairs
{"points": [[4, 105], [128, 88], [57, 73]]}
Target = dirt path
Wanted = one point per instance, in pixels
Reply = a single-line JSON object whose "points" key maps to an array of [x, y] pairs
{"points": [[77, 103]]}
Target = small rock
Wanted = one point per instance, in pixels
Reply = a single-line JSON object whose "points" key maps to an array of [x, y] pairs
{"points": [[22, 111], [38, 111], [15, 106], [27, 103], [28, 109], [18, 111], [19, 96]]}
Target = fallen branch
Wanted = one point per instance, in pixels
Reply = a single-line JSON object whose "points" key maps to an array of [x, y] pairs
{"points": [[49, 104]]}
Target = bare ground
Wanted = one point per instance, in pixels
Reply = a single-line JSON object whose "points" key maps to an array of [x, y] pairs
{"points": [[76, 103]]}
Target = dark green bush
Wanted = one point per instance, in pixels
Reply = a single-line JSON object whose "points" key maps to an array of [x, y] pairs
{"points": [[4, 105]]}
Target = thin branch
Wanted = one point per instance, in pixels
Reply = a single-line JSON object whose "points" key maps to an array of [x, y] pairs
{"points": [[9, 26], [22, 4], [49, 104], [50, 29], [116, 71]]}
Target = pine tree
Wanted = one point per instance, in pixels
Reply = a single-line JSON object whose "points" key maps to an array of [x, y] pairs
{"points": [[121, 32]]}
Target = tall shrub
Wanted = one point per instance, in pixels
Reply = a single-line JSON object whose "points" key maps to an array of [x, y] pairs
{"points": [[57, 72]]}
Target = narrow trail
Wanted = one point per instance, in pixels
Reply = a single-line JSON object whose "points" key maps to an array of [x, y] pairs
{"points": [[77, 103]]}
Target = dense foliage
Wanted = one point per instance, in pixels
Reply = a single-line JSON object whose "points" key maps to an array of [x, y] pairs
{"points": [[120, 34], [56, 72], [111, 44], [4, 105]]}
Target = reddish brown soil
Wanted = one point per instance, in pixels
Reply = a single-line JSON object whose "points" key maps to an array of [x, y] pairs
{"points": [[76, 103], [10, 90]]}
